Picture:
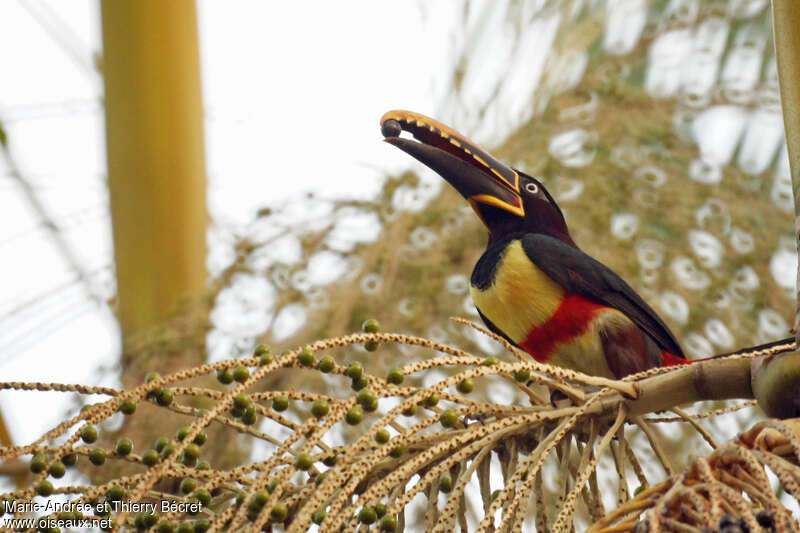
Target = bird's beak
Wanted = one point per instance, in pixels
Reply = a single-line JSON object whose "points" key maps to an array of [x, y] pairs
{"points": [[478, 176]]}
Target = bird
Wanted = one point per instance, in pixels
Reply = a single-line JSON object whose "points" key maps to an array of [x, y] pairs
{"points": [[533, 285]]}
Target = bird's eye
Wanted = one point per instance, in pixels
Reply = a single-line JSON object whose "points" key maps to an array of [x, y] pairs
{"points": [[532, 188]]}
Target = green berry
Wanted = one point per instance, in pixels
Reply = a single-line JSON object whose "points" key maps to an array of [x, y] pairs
{"points": [[397, 451], [445, 483], [326, 364], [279, 512], [411, 411], [320, 408], [203, 496], [306, 357], [491, 361], [261, 349], [192, 450], [57, 469], [329, 461], [224, 376], [128, 407], [188, 485], [164, 397], [203, 465], [45, 488], [272, 486], [124, 446], [71, 459], [200, 438], [150, 457], [354, 415], [38, 463], [89, 434], [186, 527], [319, 516], [431, 401], [371, 346], [466, 386], [188, 460], [388, 524], [259, 499], [355, 370], [382, 436], [367, 515], [320, 478], [522, 375], [202, 525], [181, 433], [359, 383], [166, 526], [160, 443], [152, 376], [249, 417], [365, 397], [370, 326], [371, 406], [303, 461], [265, 359], [97, 456], [381, 510], [168, 450], [115, 493], [242, 401], [495, 494], [638, 489], [448, 418], [241, 373], [280, 403], [395, 376]]}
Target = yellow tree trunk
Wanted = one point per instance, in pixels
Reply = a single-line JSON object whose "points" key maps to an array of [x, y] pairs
{"points": [[786, 21], [156, 157]]}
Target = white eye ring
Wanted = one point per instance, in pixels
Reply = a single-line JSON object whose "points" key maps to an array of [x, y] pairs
{"points": [[532, 188]]}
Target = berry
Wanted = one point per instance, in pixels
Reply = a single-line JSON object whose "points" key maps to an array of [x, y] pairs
{"points": [[490, 361], [97, 456], [365, 397], [57, 469], [164, 397], [370, 326], [354, 415], [89, 434], [71, 459], [382, 436], [152, 376], [388, 523], [448, 418], [150, 457], [306, 357], [359, 383], [44, 488], [128, 407], [203, 496], [397, 451], [431, 401], [303, 461], [160, 443], [224, 376], [325, 365], [115, 493], [124, 446], [319, 516], [200, 438], [280, 403], [381, 510], [181, 433], [249, 417], [367, 515], [279, 512], [202, 525], [166, 526], [329, 461], [445, 483], [38, 463], [192, 450], [320, 408], [355, 370], [203, 465], [188, 485], [371, 346], [466, 386], [241, 373], [411, 411], [242, 401], [522, 375], [395, 376]]}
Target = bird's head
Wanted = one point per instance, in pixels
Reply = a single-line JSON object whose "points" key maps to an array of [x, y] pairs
{"points": [[506, 200]]}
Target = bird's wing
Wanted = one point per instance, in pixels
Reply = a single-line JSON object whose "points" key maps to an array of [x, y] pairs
{"points": [[579, 273]]}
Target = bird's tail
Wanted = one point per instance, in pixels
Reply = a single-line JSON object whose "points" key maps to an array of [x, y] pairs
{"points": [[770, 348]]}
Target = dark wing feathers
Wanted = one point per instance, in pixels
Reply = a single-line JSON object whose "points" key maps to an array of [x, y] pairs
{"points": [[579, 273]]}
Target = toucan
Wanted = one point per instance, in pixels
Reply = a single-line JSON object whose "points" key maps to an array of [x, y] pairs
{"points": [[533, 285]]}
